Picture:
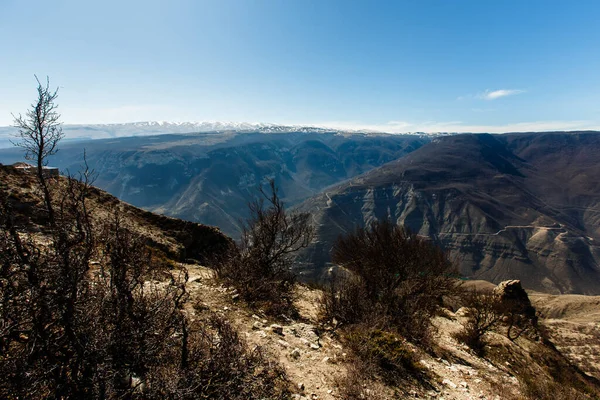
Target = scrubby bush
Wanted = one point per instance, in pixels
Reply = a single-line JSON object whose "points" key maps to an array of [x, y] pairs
{"points": [[484, 312], [218, 365], [382, 351], [89, 311], [356, 383], [260, 266], [112, 328], [393, 276]]}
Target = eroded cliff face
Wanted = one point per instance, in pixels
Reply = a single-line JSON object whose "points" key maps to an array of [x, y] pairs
{"points": [[500, 219]]}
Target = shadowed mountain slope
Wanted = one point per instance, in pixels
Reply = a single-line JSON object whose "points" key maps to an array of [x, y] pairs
{"points": [[178, 239], [209, 177], [514, 206]]}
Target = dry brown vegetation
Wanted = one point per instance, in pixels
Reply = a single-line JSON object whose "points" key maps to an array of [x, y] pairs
{"points": [[260, 266], [378, 363], [87, 310], [91, 311], [92, 307], [395, 280], [391, 286]]}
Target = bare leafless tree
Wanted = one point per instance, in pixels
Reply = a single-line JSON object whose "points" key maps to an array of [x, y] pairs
{"points": [[261, 265], [88, 310], [39, 132], [484, 312]]}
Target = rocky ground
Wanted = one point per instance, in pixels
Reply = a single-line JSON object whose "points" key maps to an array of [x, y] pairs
{"points": [[315, 360]]}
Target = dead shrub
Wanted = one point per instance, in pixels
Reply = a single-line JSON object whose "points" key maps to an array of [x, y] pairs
{"points": [[116, 329], [344, 300], [260, 266], [484, 312], [383, 353], [219, 365], [354, 386], [394, 276]]}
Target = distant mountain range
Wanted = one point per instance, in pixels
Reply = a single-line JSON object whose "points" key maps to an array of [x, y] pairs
{"points": [[522, 205], [210, 176], [148, 128]]}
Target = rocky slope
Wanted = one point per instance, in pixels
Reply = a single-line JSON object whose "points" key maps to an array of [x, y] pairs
{"points": [[523, 206], [316, 360], [177, 239], [209, 177]]}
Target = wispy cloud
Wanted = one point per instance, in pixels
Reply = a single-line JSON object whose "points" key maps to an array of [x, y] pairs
{"points": [[496, 94], [491, 94]]}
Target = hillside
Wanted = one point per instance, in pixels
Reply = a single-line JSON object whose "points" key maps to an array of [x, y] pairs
{"points": [[524, 206], [178, 239], [208, 177], [314, 358]]}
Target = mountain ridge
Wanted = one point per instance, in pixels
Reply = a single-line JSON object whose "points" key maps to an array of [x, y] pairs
{"points": [[78, 132], [485, 199], [209, 178]]}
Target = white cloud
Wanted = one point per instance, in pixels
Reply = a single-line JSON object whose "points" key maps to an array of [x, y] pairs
{"points": [[496, 94]]}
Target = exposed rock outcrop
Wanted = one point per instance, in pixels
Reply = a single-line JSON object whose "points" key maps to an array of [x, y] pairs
{"points": [[512, 294]]}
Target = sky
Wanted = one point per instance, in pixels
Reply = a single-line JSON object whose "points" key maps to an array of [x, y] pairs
{"points": [[395, 66]]}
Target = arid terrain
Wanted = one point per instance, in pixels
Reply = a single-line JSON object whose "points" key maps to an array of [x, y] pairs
{"points": [[512, 206], [315, 355]]}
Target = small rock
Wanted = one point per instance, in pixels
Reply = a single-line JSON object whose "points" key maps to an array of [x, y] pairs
{"points": [[225, 308], [278, 329], [283, 343], [255, 316], [449, 383], [301, 385], [329, 391], [462, 312], [235, 297], [464, 384], [295, 354], [326, 359], [257, 325], [314, 346]]}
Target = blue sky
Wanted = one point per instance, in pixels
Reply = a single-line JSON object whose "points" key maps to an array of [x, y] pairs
{"points": [[395, 66]]}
